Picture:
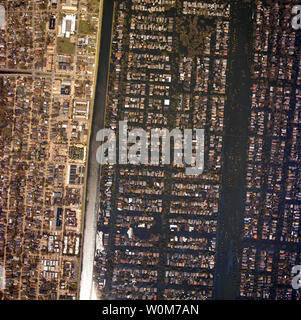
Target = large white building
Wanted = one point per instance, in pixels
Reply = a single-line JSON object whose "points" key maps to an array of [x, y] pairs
{"points": [[68, 25]]}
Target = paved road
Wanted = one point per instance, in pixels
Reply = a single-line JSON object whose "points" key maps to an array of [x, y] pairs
{"points": [[92, 189]]}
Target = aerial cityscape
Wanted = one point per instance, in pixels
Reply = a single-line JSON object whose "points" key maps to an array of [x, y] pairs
{"points": [[75, 225]]}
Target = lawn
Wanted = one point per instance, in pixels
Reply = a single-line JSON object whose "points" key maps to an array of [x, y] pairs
{"points": [[64, 46], [85, 27]]}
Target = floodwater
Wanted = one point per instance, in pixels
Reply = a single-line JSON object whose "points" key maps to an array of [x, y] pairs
{"points": [[92, 189]]}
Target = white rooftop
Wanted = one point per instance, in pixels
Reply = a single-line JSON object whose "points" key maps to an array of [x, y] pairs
{"points": [[68, 25]]}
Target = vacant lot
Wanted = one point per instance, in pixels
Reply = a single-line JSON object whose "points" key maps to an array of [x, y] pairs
{"points": [[85, 27], [64, 46]]}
